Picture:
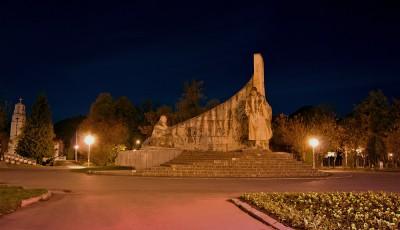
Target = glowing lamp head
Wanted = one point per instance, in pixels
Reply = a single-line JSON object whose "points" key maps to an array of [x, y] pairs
{"points": [[313, 142], [138, 142], [76, 146], [89, 139]]}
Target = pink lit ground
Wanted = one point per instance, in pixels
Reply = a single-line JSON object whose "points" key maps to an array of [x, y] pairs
{"points": [[121, 202]]}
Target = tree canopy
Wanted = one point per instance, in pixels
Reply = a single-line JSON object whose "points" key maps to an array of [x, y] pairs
{"points": [[370, 133], [113, 123]]}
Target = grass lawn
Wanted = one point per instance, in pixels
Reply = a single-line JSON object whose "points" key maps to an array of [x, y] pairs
{"points": [[11, 196], [331, 210], [101, 168]]}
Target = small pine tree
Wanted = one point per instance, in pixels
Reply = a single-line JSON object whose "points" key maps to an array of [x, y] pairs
{"points": [[36, 140]]}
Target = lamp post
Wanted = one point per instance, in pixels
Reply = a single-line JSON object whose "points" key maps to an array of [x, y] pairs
{"points": [[313, 143], [390, 155], [89, 140], [137, 144], [76, 147]]}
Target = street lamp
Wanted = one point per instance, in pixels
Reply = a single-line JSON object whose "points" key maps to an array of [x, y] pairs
{"points": [[313, 142], [89, 140], [76, 147], [390, 155], [137, 144]]}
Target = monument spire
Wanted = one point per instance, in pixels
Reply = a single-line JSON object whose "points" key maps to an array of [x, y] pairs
{"points": [[258, 75]]}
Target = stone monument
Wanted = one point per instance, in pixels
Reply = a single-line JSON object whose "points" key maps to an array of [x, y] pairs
{"points": [[17, 124], [243, 121], [161, 135]]}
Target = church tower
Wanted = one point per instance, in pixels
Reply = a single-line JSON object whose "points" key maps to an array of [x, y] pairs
{"points": [[17, 123]]}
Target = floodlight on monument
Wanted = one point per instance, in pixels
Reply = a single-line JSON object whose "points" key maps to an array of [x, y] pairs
{"points": [[313, 142]]}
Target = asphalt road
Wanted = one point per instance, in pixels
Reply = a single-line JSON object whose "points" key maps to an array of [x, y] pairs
{"points": [[123, 202]]}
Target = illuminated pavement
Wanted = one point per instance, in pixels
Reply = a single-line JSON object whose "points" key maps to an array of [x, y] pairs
{"points": [[123, 202]]}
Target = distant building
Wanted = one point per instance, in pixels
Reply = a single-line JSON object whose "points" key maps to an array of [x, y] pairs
{"points": [[17, 124], [58, 148]]}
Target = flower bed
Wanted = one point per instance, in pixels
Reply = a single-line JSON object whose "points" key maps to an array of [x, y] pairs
{"points": [[331, 210]]}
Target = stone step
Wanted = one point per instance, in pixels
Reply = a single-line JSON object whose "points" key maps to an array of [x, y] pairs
{"points": [[242, 175], [251, 165], [233, 164], [237, 166], [226, 170], [233, 160]]}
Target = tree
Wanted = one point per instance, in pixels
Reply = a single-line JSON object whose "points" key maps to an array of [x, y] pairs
{"points": [[392, 142], [189, 105], [66, 129], [373, 113], [392, 139], [152, 117], [353, 140], [375, 149], [126, 113], [292, 132], [36, 140], [109, 122], [103, 108], [373, 117]]}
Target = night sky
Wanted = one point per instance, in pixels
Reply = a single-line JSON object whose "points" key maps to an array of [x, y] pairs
{"points": [[322, 52]]}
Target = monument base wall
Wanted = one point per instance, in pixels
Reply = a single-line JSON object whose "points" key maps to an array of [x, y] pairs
{"points": [[147, 157]]}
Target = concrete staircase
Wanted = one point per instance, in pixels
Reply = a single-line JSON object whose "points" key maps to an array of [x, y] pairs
{"points": [[249, 163], [17, 159]]}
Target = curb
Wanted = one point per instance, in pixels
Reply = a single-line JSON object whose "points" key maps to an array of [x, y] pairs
{"points": [[110, 173], [35, 199], [264, 218]]}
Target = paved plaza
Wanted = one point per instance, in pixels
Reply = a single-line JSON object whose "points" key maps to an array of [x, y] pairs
{"points": [[124, 202]]}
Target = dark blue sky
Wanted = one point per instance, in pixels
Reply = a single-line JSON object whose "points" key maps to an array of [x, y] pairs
{"points": [[330, 52]]}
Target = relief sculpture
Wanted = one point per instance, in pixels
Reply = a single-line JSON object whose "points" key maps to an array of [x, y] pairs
{"points": [[243, 121]]}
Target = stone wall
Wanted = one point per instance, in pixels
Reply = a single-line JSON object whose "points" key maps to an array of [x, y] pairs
{"points": [[146, 157], [226, 126]]}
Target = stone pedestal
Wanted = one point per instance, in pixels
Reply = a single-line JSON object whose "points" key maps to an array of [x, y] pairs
{"points": [[147, 157]]}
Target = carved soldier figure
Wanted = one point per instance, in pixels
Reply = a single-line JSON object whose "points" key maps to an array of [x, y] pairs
{"points": [[259, 115]]}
